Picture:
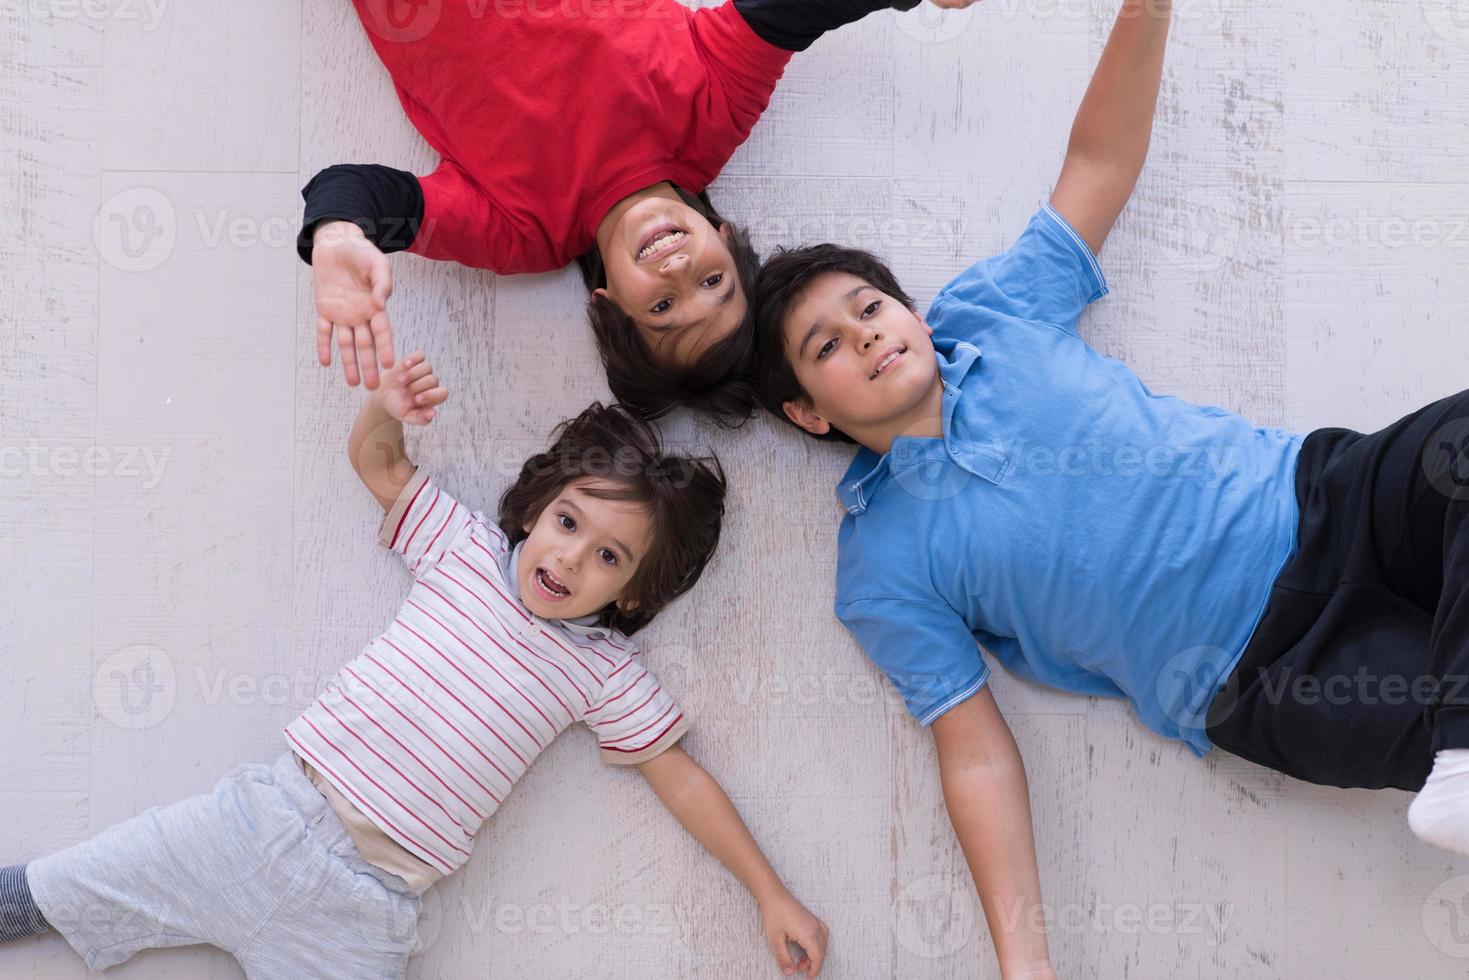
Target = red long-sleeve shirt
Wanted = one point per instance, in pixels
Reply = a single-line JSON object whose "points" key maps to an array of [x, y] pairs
{"points": [[547, 112]]}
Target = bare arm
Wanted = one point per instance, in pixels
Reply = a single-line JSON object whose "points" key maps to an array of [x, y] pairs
{"points": [[409, 393], [989, 805], [1113, 127], [695, 798]]}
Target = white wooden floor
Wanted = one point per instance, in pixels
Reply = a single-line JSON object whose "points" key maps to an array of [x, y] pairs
{"points": [[176, 495]]}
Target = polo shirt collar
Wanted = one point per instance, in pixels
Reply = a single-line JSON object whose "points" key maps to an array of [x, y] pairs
{"points": [[581, 625], [869, 471]]}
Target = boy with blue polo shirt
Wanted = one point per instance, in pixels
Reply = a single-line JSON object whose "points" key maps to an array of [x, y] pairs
{"points": [[1018, 491]]}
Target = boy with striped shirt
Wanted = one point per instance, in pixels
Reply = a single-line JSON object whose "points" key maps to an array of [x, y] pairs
{"points": [[512, 631]]}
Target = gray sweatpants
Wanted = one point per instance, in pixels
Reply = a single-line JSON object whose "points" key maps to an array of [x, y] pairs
{"points": [[260, 867]]}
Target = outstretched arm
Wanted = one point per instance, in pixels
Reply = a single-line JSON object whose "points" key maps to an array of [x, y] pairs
{"points": [[989, 805], [1110, 136], [356, 214], [410, 393], [795, 24], [701, 806]]}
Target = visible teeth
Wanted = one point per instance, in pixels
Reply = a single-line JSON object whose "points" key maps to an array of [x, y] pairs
{"points": [[667, 238], [885, 362], [552, 583]]}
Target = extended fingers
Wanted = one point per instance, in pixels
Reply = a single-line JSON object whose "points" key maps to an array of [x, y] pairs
{"points": [[324, 341], [366, 355], [431, 397], [382, 336], [349, 354]]}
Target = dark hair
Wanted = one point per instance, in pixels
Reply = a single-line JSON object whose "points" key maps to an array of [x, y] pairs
{"points": [[684, 497], [717, 382], [782, 281]]}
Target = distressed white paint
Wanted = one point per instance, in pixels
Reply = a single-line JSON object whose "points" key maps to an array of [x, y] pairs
{"points": [[250, 562]]}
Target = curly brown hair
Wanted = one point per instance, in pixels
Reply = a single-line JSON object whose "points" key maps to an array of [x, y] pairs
{"points": [[621, 452]]}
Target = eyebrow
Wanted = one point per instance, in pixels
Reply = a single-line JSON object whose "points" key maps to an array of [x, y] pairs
{"points": [[571, 505], [816, 327]]}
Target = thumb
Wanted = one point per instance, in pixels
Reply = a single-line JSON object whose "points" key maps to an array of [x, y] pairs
{"points": [[382, 281], [780, 948]]}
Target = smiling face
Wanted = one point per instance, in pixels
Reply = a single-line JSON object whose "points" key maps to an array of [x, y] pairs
{"points": [[866, 361], [581, 552], [672, 271]]}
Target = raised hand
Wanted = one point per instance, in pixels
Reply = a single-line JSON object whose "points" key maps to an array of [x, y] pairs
{"points": [[411, 391], [353, 282]]}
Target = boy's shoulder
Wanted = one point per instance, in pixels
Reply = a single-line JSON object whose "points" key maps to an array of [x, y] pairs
{"points": [[882, 543], [1048, 275]]}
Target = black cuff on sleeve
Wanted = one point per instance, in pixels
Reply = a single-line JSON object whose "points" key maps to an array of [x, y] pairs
{"points": [[386, 204], [795, 24]]}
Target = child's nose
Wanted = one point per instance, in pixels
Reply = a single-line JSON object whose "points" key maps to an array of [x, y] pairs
{"points": [[675, 263]]}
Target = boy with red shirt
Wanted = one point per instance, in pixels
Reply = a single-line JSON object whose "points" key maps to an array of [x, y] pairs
{"points": [[571, 129]]}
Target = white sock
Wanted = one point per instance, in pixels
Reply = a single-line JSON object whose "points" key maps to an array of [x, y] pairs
{"points": [[1439, 814]]}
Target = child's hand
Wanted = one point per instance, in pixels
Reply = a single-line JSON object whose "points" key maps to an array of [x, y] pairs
{"points": [[411, 390], [786, 920], [353, 282], [953, 4]]}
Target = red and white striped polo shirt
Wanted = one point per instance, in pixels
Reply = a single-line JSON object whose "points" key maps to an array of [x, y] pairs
{"points": [[429, 728]]}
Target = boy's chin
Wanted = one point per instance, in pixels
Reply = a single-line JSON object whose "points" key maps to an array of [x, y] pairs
{"points": [[572, 609]]}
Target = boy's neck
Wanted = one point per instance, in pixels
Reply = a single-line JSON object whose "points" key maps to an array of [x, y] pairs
{"points": [[924, 421], [614, 214]]}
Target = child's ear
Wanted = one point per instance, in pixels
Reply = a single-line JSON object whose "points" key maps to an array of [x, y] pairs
{"points": [[726, 233], [922, 322], [626, 604], [602, 292], [800, 413]]}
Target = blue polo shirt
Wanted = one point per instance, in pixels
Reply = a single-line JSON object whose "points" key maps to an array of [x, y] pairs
{"points": [[1091, 535]]}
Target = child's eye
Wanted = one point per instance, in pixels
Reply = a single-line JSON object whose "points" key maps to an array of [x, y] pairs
{"points": [[871, 308], [662, 306], [826, 348], [713, 280], [566, 522], [607, 556]]}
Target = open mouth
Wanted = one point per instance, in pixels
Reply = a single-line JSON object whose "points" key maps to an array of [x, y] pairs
{"points": [[550, 588], [888, 359], [660, 242]]}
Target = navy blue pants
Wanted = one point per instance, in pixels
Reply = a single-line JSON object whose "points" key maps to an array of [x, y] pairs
{"points": [[1359, 670]]}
